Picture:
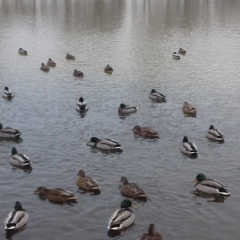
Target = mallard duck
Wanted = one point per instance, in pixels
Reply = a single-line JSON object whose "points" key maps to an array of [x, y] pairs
{"points": [[58, 195], [214, 134], [145, 132], [157, 96], [188, 148], [182, 51], [16, 219], [44, 67], [22, 52], [81, 105], [70, 57], [77, 73], [188, 109], [7, 93], [51, 63], [105, 144], [87, 183], [108, 69], [123, 217], [9, 132], [152, 234], [210, 186], [132, 190], [176, 55], [19, 160], [125, 109]]}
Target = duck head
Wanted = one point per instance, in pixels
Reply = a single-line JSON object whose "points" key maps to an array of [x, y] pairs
{"points": [[185, 139], [211, 127], [14, 151], [81, 173], [151, 230], [18, 206], [6, 89], [126, 203], [124, 180], [137, 128], [200, 177], [122, 105], [81, 99], [153, 91]]}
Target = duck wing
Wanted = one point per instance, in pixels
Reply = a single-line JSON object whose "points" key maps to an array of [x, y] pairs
{"points": [[215, 133], [88, 183], [133, 190], [16, 220], [9, 130], [110, 142]]}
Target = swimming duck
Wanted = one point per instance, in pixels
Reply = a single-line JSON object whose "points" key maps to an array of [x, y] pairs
{"points": [[214, 134], [70, 57], [123, 217], [19, 160], [44, 67], [182, 51], [87, 183], [210, 186], [105, 144], [152, 234], [108, 69], [81, 105], [9, 132], [77, 73], [176, 55], [188, 148], [125, 109], [57, 195], [157, 96], [145, 132], [7, 93], [51, 63], [132, 190], [16, 219], [188, 109], [22, 52]]}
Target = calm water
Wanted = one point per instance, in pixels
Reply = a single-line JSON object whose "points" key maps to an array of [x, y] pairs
{"points": [[137, 39]]}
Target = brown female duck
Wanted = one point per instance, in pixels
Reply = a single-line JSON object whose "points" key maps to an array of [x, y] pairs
{"points": [[145, 132]]}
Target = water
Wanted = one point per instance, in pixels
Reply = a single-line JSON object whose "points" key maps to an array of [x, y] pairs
{"points": [[137, 39]]}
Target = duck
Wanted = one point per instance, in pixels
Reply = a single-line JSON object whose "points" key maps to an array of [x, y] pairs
{"points": [[145, 132], [210, 186], [176, 55], [189, 148], [152, 234], [22, 52], [57, 195], [51, 63], [182, 51], [44, 67], [105, 144], [214, 134], [81, 105], [16, 219], [157, 96], [77, 73], [19, 160], [188, 109], [108, 69], [126, 109], [7, 93], [132, 190], [87, 183], [70, 57], [9, 132], [123, 217]]}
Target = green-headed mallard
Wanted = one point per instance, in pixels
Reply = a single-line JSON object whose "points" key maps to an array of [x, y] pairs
{"points": [[108, 69], [51, 63], [188, 109], [22, 52], [157, 96], [70, 57], [176, 55], [57, 195], [81, 105], [145, 132], [188, 148], [182, 51], [132, 190], [105, 144], [77, 73], [126, 109], [16, 219], [123, 217], [87, 183], [152, 234], [214, 134], [210, 186], [8, 132], [19, 160], [7, 93], [44, 67]]}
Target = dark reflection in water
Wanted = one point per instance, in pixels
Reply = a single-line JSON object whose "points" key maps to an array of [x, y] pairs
{"points": [[211, 197]]}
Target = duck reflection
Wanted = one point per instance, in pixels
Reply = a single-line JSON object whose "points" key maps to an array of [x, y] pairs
{"points": [[211, 197]]}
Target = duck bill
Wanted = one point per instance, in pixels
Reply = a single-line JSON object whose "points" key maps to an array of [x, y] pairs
{"points": [[194, 180], [133, 206]]}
